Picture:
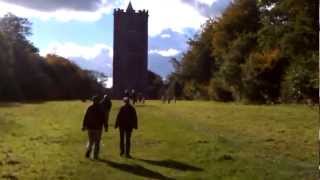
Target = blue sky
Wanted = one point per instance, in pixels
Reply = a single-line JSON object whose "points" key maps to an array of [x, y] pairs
{"points": [[86, 34], [82, 30]]}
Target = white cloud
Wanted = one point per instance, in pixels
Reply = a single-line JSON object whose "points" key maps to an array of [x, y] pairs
{"points": [[165, 36], [98, 57], [109, 82], [69, 49], [166, 53], [208, 2], [164, 14], [208, 8], [63, 15], [168, 14], [106, 82]]}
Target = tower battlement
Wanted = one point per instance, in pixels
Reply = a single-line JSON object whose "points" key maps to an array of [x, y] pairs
{"points": [[143, 12], [119, 11]]}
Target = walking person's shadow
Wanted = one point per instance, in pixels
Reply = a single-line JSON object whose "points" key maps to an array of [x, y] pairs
{"points": [[135, 169], [172, 164]]}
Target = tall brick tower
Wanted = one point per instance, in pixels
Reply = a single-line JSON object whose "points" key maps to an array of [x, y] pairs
{"points": [[130, 51]]}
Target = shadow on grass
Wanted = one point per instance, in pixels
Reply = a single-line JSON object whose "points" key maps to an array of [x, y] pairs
{"points": [[145, 106], [35, 102], [135, 169], [172, 164], [9, 104], [20, 103]]}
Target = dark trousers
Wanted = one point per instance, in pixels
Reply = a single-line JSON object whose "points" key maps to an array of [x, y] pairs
{"points": [[94, 142], [125, 141]]}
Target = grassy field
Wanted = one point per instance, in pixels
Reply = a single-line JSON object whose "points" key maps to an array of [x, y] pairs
{"points": [[187, 140]]}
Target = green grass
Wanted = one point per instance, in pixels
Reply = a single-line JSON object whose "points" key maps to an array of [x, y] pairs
{"points": [[187, 140]]}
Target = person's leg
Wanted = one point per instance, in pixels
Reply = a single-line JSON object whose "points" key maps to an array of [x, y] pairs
{"points": [[128, 142], [97, 139], [121, 141], [90, 143]]}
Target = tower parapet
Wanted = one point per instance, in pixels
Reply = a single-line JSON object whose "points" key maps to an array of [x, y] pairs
{"points": [[143, 12], [118, 11], [130, 11]]}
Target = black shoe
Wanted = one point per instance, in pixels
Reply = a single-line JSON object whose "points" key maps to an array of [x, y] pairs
{"points": [[128, 156], [96, 157], [88, 154], [121, 154]]}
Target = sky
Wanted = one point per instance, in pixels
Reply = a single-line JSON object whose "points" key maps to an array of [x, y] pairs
{"points": [[82, 30]]}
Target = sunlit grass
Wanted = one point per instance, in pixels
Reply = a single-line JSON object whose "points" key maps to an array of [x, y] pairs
{"points": [[187, 140]]}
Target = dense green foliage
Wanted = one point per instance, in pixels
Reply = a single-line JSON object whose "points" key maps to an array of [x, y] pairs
{"points": [[257, 51], [155, 85], [25, 75], [187, 140]]}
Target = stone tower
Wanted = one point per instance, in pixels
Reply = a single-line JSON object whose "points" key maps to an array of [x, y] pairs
{"points": [[130, 51]]}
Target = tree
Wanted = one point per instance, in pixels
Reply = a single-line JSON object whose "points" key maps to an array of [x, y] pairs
{"points": [[155, 85], [256, 51], [292, 27], [25, 75], [233, 40]]}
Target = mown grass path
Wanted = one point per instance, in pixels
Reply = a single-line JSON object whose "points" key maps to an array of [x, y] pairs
{"points": [[187, 140]]}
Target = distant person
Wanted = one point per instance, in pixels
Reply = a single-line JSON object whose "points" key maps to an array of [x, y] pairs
{"points": [[169, 99], [84, 100], [106, 105], [163, 99], [126, 93], [94, 121], [133, 96], [126, 121], [140, 97]]}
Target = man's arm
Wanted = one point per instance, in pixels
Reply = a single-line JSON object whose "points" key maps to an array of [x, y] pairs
{"points": [[85, 120], [110, 105], [118, 119], [106, 121], [108, 113], [135, 119]]}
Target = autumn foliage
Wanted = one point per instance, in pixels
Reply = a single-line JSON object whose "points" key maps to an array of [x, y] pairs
{"points": [[25, 75], [256, 52]]}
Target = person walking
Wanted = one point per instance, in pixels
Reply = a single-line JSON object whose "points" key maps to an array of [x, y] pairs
{"points": [[126, 121], [93, 122], [106, 105], [133, 96]]}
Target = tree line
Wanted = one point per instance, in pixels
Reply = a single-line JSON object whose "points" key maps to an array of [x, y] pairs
{"points": [[263, 51], [25, 75]]}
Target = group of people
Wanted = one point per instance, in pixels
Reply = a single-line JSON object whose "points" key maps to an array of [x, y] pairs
{"points": [[134, 97], [96, 119], [168, 99]]}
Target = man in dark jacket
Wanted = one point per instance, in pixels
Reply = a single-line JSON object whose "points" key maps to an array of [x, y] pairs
{"points": [[133, 96], [106, 107], [126, 121], [94, 121]]}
